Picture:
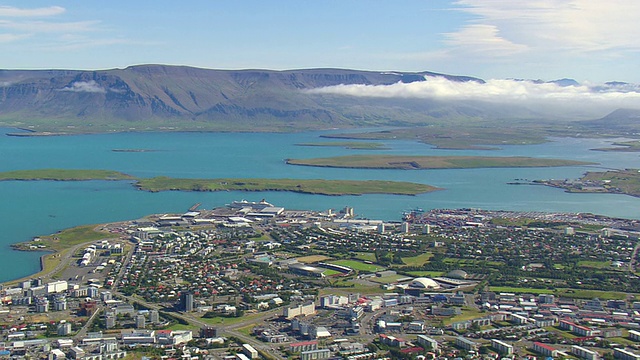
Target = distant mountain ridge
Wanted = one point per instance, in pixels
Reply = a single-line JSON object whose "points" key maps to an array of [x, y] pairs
{"points": [[163, 97]]}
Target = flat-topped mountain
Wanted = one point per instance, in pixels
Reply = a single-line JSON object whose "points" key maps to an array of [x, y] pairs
{"points": [[162, 97], [158, 96]]}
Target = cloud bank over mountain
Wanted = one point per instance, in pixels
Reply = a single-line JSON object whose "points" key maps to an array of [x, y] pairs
{"points": [[521, 92]]}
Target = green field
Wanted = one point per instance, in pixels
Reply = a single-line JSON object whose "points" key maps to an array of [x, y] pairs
{"points": [[67, 238], [520, 290], [308, 186], [417, 260], [430, 162], [453, 134], [162, 183], [366, 256], [468, 313], [624, 146], [358, 266], [330, 272], [426, 273], [592, 264], [386, 279], [572, 293], [463, 262], [64, 175], [627, 181], [349, 145]]}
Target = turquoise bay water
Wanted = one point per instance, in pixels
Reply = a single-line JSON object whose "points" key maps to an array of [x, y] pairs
{"points": [[29, 209]]}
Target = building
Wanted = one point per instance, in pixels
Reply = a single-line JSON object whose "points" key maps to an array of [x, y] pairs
{"points": [[57, 286], [503, 348], [545, 349], [303, 346], [466, 344], [64, 329], [186, 301], [392, 340], [634, 335], [209, 332], [42, 305], [583, 353], [546, 298], [139, 337], [250, 351], [110, 321], [623, 354], [315, 354], [577, 329], [304, 310], [427, 342], [154, 316], [59, 303], [306, 270], [333, 300], [140, 322]]}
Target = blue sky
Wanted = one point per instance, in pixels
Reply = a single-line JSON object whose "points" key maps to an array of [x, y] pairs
{"points": [[588, 40]]}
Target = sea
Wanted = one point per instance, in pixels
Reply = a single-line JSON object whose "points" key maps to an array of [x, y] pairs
{"points": [[33, 208]]}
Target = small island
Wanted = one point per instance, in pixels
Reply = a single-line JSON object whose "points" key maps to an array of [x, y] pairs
{"points": [[625, 182], [133, 150], [625, 146], [63, 175], [430, 162], [352, 145], [163, 183]]}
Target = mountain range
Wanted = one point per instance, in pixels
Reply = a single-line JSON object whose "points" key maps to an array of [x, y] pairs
{"points": [[161, 97]]}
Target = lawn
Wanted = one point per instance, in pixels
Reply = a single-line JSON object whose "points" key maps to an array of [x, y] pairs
{"points": [[177, 327], [417, 260], [520, 290], [218, 320], [426, 273], [590, 294], [468, 313], [312, 259], [330, 272], [74, 236], [366, 256], [357, 265], [594, 264], [386, 279], [246, 330]]}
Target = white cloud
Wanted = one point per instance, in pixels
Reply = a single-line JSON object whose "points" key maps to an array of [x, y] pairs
{"points": [[517, 92], [481, 38], [580, 26], [5, 38], [85, 86], [10, 11], [49, 27]]}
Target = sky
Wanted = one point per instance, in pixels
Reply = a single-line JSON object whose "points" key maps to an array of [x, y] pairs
{"points": [[587, 40]]}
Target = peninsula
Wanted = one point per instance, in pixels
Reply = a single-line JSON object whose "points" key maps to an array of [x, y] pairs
{"points": [[431, 162], [625, 182], [348, 145], [163, 183], [624, 146]]}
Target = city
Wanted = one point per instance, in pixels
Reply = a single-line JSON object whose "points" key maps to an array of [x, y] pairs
{"points": [[254, 280]]}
